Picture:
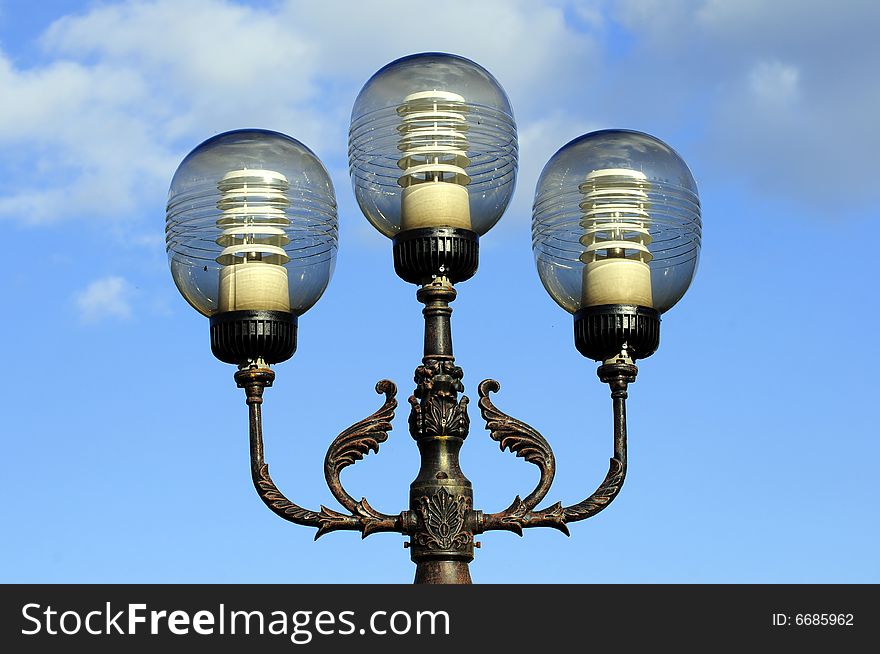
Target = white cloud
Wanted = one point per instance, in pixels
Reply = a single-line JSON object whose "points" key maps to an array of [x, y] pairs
{"points": [[539, 139], [105, 298], [783, 93], [205, 62], [96, 130], [774, 84], [543, 63], [128, 88], [76, 142]]}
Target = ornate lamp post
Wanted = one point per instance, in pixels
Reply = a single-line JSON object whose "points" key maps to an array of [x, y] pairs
{"points": [[251, 233]]}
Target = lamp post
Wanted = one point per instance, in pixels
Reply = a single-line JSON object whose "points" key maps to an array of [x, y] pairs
{"points": [[251, 233]]}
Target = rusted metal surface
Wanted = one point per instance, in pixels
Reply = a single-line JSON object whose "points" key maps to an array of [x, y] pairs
{"points": [[438, 571], [527, 442], [351, 446], [441, 522], [364, 519], [618, 376], [520, 439]]}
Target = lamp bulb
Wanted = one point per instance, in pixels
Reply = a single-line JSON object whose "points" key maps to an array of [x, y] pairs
{"points": [[253, 222], [616, 238], [433, 140]]}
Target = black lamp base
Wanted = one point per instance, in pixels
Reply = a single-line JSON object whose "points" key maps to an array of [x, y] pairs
{"points": [[422, 254], [603, 331], [241, 337]]}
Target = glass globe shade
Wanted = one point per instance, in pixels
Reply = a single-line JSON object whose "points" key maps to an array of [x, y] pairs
{"points": [[251, 224], [616, 221], [432, 144]]}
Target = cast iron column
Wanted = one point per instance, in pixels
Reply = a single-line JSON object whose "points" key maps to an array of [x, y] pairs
{"points": [[441, 497]]}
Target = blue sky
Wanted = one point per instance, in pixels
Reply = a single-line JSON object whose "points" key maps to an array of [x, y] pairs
{"points": [[753, 430]]}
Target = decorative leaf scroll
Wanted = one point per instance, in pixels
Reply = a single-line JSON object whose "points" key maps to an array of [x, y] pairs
{"points": [[326, 520], [607, 491], [439, 416], [357, 441], [518, 515], [366, 519], [520, 439], [373, 521], [351, 446], [436, 409], [523, 440], [443, 516]]}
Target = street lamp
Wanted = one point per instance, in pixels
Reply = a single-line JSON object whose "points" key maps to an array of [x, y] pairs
{"points": [[251, 237], [251, 233]]}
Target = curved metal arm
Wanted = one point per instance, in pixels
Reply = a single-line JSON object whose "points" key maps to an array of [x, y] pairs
{"points": [[254, 381], [520, 439], [354, 444], [618, 376], [520, 515]]}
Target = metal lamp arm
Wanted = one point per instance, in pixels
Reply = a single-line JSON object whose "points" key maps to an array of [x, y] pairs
{"points": [[528, 443], [351, 446], [524, 441], [618, 376], [521, 439], [254, 380]]}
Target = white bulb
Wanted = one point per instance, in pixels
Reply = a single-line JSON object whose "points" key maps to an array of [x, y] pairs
{"points": [[433, 140], [253, 276], [616, 238]]}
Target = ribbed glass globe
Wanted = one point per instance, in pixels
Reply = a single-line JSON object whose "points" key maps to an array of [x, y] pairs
{"points": [[251, 224], [616, 220], [432, 144]]}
